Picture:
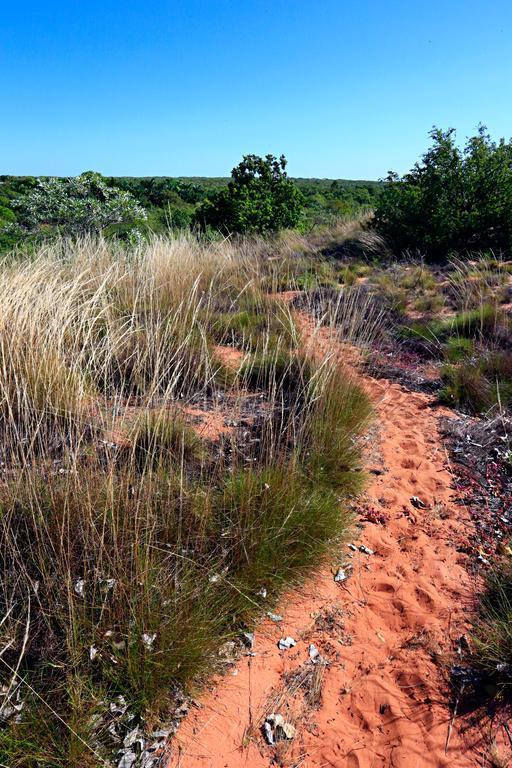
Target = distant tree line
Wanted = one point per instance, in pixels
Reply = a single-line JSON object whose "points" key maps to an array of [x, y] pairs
{"points": [[453, 200], [259, 197]]}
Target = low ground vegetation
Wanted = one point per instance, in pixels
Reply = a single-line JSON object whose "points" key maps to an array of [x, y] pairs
{"points": [[135, 537]]}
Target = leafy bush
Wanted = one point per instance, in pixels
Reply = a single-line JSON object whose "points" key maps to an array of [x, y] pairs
{"points": [[75, 206], [288, 374], [452, 200], [259, 198]]}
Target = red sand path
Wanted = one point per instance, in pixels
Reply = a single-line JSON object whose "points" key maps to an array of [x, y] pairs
{"points": [[388, 632]]}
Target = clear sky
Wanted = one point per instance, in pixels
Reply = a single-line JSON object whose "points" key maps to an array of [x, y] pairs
{"points": [[344, 88]]}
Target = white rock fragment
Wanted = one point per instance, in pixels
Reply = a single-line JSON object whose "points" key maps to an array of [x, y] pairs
{"points": [[127, 760], [8, 711], [269, 733], [288, 730], [148, 639], [276, 728], [163, 733], [132, 738], [341, 575], [285, 643], [314, 653], [118, 706], [274, 617]]}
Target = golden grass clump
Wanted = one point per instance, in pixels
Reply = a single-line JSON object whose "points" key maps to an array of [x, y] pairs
{"points": [[132, 547]]}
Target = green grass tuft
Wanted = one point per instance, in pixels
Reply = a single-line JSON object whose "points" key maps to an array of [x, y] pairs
{"points": [[492, 631]]}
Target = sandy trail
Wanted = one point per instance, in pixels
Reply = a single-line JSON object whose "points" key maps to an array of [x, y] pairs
{"points": [[382, 698]]}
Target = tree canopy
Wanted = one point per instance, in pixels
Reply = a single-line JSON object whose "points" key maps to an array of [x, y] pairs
{"points": [[452, 200], [75, 206], [259, 198]]}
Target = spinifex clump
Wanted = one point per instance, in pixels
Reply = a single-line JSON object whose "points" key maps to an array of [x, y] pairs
{"points": [[150, 490]]}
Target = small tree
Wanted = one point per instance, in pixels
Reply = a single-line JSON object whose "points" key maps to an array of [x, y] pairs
{"points": [[453, 200], [75, 206], [259, 198]]}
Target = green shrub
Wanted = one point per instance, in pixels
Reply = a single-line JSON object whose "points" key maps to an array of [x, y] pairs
{"points": [[253, 320], [259, 198], [279, 371], [417, 277], [76, 206], [394, 294], [465, 385], [162, 437], [279, 525], [429, 302], [452, 200], [138, 548], [472, 324]]}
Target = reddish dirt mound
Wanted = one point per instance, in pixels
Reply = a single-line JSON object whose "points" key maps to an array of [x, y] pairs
{"points": [[231, 357], [387, 633]]}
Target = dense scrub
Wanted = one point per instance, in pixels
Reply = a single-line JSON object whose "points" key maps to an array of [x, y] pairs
{"points": [[453, 200], [173, 204]]}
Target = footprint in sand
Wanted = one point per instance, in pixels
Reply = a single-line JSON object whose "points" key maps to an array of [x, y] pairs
{"points": [[425, 599], [409, 446]]}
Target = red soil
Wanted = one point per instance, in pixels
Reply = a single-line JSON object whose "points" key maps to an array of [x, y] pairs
{"points": [[231, 357], [388, 633]]}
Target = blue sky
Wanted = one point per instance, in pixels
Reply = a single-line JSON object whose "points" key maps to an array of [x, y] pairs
{"points": [[345, 88]]}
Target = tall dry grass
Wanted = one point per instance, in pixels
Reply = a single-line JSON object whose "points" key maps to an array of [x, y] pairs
{"points": [[130, 546]]}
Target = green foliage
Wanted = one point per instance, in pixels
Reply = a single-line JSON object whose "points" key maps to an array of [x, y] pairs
{"points": [[135, 546], [75, 206], [479, 384], [252, 321], [479, 323], [452, 200], [259, 198], [330, 455], [172, 203], [471, 324], [285, 373], [458, 348], [160, 436], [492, 630], [279, 525]]}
